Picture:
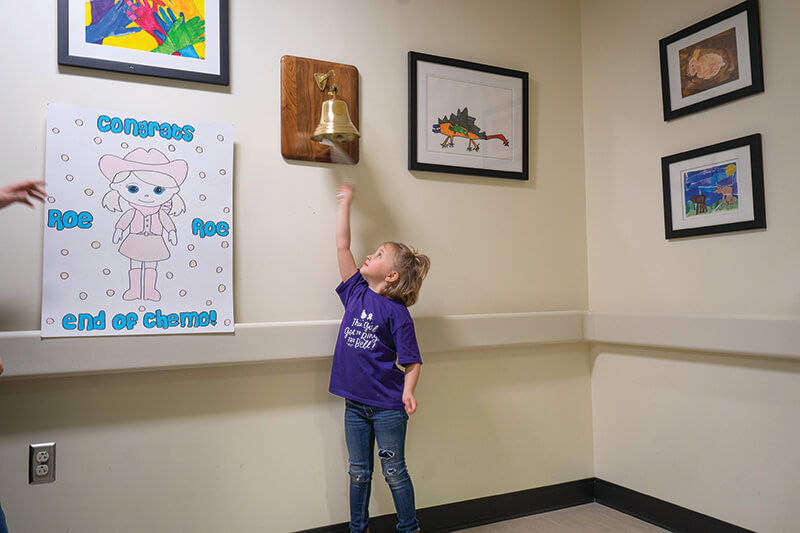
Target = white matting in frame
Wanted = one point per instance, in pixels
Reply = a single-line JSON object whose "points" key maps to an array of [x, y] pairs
{"points": [[493, 100]]}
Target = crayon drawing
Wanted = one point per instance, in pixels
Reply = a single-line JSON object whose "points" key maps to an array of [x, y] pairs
{"points": [[711, 190], [138, 225], [460, 124]]}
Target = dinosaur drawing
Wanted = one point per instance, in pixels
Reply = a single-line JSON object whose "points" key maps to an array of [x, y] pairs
{"points": [[460, 124]]}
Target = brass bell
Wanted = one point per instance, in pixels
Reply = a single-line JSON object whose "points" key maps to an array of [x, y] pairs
{"points": [[334, 124]]}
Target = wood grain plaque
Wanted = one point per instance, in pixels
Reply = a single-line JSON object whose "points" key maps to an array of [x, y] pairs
{"points": [[301, 106]]}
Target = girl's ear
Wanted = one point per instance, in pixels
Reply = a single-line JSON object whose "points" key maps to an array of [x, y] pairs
{"points": [[392, 276]]}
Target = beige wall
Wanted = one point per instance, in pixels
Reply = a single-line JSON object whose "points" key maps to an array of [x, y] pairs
{"points": [[632, 268], [713, 433], [260, 447]]}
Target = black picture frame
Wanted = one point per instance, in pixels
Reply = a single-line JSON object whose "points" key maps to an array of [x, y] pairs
{"points": [[712, 62], [733, 202], [461, 83], [73, 51]]}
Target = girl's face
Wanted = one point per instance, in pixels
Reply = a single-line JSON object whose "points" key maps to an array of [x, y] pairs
{"points": [[137, 191], [378, 266]]}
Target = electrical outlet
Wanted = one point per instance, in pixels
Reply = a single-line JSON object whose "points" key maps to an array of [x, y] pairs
{"points": [[42, 463]]}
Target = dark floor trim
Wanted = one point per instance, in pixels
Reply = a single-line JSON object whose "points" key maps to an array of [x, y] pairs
{"points": [[480, 511], [658, 512], [471, 513]]}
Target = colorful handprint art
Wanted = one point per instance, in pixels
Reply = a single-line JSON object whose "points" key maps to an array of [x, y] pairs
{"points": [[172, 27]]}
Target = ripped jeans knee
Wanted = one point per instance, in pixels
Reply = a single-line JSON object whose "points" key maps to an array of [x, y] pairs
{"points": [[394, 468]]}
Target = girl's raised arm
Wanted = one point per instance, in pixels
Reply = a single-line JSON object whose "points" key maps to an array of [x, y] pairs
{"points": [[347, 265]]}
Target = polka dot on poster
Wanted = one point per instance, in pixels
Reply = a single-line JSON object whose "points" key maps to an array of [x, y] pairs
{"points": [[78, 122], [64, 157], [50, 321], [226, 210], [64, 275], [169, 275], [124, 145], [64, 252], [88, 192], [221, 288], [98, 140], [222, 172], [208, 302], [219, 269], [220, 138], [51, 199], [192, 263], [225, 244], [199, 149], [56, 131], [110, 292], [190, 247], [142, 309], [83, 296], [182, 293], [171, 147], [202, 197], [106, 271], [227, 321], [69, 177], [202, 175], [95, 244]]}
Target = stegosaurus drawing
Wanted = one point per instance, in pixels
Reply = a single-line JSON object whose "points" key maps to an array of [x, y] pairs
{"points": [[460, 124]]}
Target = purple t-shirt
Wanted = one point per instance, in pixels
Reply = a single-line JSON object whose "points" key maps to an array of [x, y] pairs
{"points": [[376, 333]]}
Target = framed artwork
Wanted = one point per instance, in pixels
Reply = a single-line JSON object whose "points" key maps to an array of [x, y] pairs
{"points": [[715, 189], [712, 62], [467, 118], [180, 39]]}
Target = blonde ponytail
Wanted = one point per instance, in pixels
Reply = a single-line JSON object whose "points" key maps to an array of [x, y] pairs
{"points": [[411, 267]]}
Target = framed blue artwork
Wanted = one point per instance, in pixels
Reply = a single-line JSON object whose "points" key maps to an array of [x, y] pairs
{"points": [[714, 189]]}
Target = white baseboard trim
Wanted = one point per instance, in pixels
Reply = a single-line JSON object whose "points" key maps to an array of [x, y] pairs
{"points": [[25, 354]]}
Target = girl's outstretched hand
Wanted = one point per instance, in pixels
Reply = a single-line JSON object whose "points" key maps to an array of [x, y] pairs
{"points": [[345, 192]]}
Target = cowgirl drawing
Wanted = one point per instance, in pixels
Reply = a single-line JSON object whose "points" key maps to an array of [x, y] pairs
{"points": [[149, 182]]}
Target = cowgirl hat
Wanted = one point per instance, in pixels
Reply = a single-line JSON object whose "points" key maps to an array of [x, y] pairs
{"points": [[141, 159]]}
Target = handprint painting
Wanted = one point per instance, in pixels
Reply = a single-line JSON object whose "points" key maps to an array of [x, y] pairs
{"points": [[180, 39], [138, 230], [172, 27]]}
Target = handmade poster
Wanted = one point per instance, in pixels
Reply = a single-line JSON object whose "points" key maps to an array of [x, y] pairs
{"points": [[138, 224]]}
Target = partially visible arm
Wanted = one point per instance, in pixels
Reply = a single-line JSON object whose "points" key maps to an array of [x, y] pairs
{"points": [[412, 376], [347, 265], [22, 193]]}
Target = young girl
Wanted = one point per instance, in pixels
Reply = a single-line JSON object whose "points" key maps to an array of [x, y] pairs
{"points": [[376, 335], [149, 182]]}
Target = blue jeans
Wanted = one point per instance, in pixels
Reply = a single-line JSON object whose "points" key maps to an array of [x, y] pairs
{"points": [[3, 526], [363, 426]]}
